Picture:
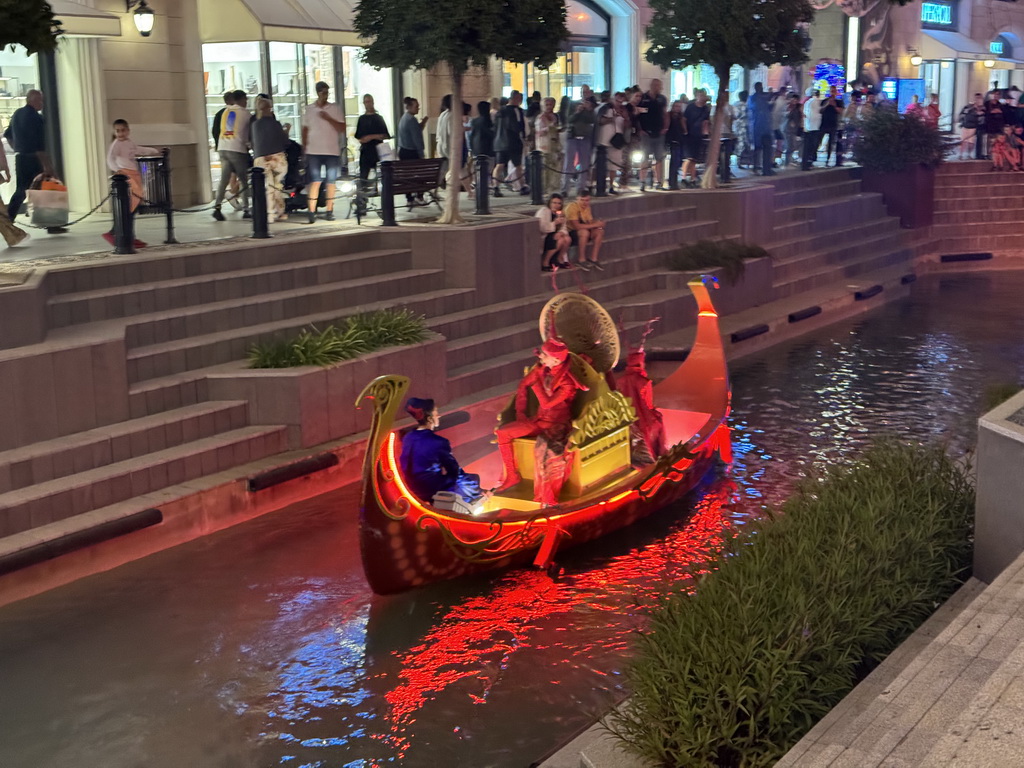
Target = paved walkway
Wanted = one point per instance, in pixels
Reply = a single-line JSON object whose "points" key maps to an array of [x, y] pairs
{"points": [[951, 696], [84, 242]]}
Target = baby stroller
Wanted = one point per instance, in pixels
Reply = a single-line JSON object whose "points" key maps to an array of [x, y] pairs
{"points": [[295, 179]]}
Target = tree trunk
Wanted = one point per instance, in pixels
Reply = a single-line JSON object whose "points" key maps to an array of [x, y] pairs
{"points": [[451, 213], [710, 180]]}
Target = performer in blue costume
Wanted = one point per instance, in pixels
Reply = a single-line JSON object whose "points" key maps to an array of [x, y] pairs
{"points": [[428, 465]]}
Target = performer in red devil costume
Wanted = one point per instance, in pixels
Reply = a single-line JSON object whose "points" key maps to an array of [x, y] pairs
{"points": [[647, 433], [555, 387]]}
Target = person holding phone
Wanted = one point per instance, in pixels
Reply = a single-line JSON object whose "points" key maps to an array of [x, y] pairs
{"points": [[557, 240]]}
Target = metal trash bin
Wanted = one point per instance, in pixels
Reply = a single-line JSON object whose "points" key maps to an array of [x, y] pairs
{"points": [[154, 191]]}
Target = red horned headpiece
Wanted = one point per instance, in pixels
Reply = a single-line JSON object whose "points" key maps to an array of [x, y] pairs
{"points": [[553, 345]]}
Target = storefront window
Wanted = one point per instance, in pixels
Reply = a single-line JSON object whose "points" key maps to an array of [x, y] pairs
{"points": [[228, 67], [685, 81], [287, 82], [583, 60], [18, 76], [938, 78]]}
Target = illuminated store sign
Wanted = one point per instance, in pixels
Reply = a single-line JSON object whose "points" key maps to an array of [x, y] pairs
{"points": [[1001, 47], [938, 15]]}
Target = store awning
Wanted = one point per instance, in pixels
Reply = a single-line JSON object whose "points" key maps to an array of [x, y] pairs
{"points": [[944, 44], [1008, 64], [317, 22], [83, 21]]}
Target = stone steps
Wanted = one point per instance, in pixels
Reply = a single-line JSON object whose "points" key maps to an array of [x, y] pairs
{"points": [[983, 178], [207, 260], [48, 502], [831, 212], [53, 459], [190, 353], [961, 220], [823, 252], [832, 188], [889, 255], [853, 234], [163, 327], [129, 300], [983, 240], [977, 204]]}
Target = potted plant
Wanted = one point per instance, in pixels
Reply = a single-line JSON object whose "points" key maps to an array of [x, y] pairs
{"points": [[899, 154]]}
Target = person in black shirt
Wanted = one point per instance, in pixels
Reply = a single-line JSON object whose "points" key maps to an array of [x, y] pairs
{"points": [[25, 133], [371, 131], [696, 117], [676, 138], [653, 119], [831, 110], [509, 139]]}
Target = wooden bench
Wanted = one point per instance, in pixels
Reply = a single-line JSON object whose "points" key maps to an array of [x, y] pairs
{"points": [[408, 177]]}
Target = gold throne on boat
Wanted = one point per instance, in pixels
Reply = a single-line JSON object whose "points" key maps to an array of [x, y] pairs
{"points": [[599, 439]]}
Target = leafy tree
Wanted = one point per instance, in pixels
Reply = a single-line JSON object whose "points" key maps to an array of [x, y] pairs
{"points": [[28, 23], [723, 34], [459, 34]]}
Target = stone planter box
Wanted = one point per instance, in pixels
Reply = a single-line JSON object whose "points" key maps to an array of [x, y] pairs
{"points": [[909, 194], [317, 404], [999, 509]]}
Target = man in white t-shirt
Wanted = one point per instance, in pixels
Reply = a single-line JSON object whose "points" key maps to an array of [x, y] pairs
{"points": [[322, 126], [233, 149]]}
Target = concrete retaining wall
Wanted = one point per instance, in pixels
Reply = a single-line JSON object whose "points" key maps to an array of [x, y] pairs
{"points": [[999, 510]]}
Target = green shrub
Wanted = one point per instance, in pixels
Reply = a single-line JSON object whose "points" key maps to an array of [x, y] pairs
{"points": [[731, 256], [888, 142], [797, 609], [357, 335]]}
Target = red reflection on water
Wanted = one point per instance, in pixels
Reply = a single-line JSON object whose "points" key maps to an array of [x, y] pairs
{"points": [[478, 637]]}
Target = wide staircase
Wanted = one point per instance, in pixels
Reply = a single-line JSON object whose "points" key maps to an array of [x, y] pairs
{"points": [[489, 349], [825, 230], [152, 330], [180, 317], [977, 211]]}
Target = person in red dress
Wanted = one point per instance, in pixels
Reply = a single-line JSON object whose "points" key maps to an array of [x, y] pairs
{"points": [[555, 387]]}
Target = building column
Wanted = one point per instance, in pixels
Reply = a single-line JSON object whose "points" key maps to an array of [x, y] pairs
{"points": [[195, 98], [83, 103]]}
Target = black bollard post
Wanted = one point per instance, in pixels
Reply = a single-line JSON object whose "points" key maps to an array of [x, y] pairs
{"points": [[724, 155], [483, 185], [537, 177], [258, 190], [124, 225], [387, 193], [601, 169], [165, 185]]}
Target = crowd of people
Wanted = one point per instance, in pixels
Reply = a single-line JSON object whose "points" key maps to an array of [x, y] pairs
{"points": [[992, 128], [645, 136]]}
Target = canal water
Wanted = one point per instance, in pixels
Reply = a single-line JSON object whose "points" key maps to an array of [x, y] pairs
{"points": [[262, 645]]}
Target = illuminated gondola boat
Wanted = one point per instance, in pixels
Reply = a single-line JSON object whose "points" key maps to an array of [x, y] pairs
{"points": [[407, 542]]}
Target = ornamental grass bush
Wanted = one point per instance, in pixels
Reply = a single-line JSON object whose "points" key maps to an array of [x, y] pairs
{"points": [[357, 335], [797, 609], [729, 255], [889, 142]]}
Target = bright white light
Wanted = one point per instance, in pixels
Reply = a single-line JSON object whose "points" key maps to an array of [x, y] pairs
{"points": [[637, 157], [852, 46], [347, 187]]}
